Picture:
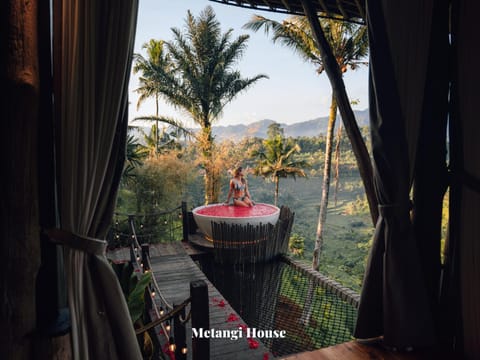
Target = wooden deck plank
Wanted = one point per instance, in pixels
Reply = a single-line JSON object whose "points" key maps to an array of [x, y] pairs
{"points": [[355, 351], [173, 271]]}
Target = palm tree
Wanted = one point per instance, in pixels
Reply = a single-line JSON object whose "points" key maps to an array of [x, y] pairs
{"points": [[349, 45], [199, 78], [276, 160], [156, 59], [157, 140], [135, 154]]}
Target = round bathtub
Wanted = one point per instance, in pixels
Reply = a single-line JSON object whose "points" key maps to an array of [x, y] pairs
{"points": [[230, 214]]}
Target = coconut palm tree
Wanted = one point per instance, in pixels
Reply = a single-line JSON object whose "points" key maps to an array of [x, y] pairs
{"points": [[200, 79], [349, 45], [135, 155], [277, 160], [148, 67]]}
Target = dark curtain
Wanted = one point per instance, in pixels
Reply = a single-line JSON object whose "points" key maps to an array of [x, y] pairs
{"points": [[406, 84], [461, 288]]}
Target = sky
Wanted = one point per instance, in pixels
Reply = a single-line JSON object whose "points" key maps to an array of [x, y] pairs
{"points": [[294, 91]]}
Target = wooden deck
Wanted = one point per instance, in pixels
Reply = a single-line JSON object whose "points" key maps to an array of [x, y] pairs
{"points": [[174, 270], [355, 351]]}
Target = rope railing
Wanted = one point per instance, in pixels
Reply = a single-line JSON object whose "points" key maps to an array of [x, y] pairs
{"points": [[159, 226], [145, 264], [169, 316], [137, 232], [161, 319]]}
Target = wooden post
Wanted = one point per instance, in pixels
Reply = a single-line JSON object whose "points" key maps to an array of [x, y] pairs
{"points": [[200, 319], [185, 221], [133, 254], [145, 256], [179, 335]]}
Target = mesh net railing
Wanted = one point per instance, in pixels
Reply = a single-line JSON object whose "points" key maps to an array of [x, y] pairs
{"points": [[313, 311]]}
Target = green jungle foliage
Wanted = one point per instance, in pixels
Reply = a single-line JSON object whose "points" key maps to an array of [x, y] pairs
{"points": [[163, 181], [133, 288]]}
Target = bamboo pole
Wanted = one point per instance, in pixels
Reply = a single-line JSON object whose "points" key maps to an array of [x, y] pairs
{"points": [[351, 128]]}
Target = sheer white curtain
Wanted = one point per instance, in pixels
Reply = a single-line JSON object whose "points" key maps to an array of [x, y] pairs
{"points": [[94, 42]]}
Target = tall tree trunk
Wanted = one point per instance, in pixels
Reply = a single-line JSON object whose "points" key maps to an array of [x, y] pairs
{"points": [[337, 162], [156, 123], [206, 144], [19, 213], [322, 217], [277, 180], [335, 76]]}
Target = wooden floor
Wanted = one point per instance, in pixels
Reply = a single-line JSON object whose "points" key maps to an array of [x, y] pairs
{"points": [[174, 269], [355, 351], [199, 242]]}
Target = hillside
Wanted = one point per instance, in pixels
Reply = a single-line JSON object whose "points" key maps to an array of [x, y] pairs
{"points": [[259, 128], [305, 128]]}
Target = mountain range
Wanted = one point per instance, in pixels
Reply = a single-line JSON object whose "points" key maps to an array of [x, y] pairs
{"points": [[259, 128]]}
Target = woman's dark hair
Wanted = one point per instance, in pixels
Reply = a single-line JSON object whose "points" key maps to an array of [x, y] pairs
{"points": [[238, 171]]}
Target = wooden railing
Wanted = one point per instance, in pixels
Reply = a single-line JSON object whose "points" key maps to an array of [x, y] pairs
{"points": [[163, 314]]}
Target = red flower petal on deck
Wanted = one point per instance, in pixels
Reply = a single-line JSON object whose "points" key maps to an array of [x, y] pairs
{"points": [[232, 317], [243, 327], [252, 344], [170, 353], [221, 303], [266, 356]]}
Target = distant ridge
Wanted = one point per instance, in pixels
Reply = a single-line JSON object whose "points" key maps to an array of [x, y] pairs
{"points": [[259, 128]]}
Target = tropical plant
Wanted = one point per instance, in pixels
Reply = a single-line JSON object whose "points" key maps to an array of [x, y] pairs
{"points": [[156, 59], [276, 159], [349, 45], [133, 288], [296, 245], [156, 141], [162, 182], [135, 155], [199, 78]]}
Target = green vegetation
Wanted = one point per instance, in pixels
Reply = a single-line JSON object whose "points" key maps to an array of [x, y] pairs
{"points": [[276, 158], [331, 319], [134, 288], [171, 177], [195, 73], [349, 45]]}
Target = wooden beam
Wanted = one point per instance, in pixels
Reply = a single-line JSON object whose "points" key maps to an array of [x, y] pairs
{"points": [[287, 6], [324, 7], [267, 3], [19, 212], [361, 10], [200, 318], [338, 86], [342, 10]]}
